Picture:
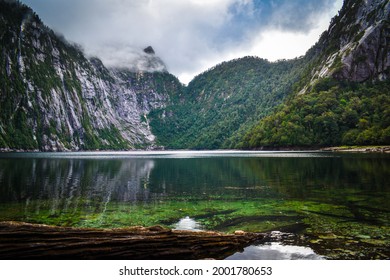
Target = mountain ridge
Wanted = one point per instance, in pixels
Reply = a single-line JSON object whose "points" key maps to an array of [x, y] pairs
{"points": [[53, 98]]}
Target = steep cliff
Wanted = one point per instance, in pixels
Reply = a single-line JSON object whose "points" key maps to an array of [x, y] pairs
{"points": [[54, 98], [356, 45]]}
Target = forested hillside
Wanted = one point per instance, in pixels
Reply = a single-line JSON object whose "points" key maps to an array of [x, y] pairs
{"points": [[333, 113], [221, 103]]}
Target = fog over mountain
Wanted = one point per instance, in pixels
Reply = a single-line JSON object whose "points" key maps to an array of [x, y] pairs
{"points": [[190, 36]]}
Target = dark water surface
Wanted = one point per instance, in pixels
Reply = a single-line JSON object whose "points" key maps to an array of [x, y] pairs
{"points": [[317, 205]]}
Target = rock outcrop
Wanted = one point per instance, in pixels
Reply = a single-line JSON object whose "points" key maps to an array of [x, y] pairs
{"points": [[149, 50], [356, 45], [365, 54]]}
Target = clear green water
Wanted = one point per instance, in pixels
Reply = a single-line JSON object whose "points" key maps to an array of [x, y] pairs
{"points": [[334, 204]]}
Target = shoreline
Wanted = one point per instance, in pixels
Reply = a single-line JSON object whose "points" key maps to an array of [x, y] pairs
{"points": [[355, 149], [358, 149]]}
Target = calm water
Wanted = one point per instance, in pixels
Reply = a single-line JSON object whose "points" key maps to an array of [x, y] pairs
{"points": [[317, 205]]}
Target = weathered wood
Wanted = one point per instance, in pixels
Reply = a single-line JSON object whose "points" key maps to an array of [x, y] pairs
{"points": [[30, 241]]}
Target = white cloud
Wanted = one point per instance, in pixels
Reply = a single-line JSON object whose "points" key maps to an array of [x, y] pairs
{"points": [[272, 42], [275, 43], [190, 36]]}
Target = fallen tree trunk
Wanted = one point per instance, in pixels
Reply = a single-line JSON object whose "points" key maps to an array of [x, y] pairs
{"points": [[30, 241]]}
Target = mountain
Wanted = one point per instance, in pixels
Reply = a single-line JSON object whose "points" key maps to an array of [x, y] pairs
{"points": [[53, 98], [224, 101], [344, 96], [223, 107]]}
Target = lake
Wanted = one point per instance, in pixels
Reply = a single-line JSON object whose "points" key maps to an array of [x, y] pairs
{"points": [[317, 205]]}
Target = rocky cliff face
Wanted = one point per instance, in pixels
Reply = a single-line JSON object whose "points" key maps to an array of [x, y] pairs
{"points": [[365, 55], [53, 98], [356, 45]]}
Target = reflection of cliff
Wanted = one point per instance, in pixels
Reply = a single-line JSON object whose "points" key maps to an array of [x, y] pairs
{"points": [[72, 183]]}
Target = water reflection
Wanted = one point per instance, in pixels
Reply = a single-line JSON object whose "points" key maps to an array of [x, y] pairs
{"points": [[142, 179], [48, 190], [276, 251], [72, 181], [188, 224], [70, 178]]}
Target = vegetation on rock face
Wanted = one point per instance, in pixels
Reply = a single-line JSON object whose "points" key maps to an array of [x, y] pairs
{"points": [[344, 93]]}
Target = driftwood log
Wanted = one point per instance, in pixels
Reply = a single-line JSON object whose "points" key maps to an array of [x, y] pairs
{"points": [[30, 241]]}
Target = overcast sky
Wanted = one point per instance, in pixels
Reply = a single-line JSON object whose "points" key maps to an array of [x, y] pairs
{"points": [[190, 36]]}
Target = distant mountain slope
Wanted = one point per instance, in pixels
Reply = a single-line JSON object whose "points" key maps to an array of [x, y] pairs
{"points": [[223, 101], [53, 98], [345, 94]]}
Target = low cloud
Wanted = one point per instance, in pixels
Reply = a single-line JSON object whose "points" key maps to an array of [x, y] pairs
{"points": [[189, 36]]}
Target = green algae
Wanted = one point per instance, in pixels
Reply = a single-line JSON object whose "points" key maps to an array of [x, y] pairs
{"points": [[323, 222]]}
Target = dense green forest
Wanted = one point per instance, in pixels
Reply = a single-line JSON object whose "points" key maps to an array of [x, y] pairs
{"points": [[333, 113], [224, 101]]}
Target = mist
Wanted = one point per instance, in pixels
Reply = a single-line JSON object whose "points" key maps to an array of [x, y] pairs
{"points": [[189, 36]]}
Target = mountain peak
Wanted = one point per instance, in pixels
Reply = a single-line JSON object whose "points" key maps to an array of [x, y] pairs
{"points": [[149, 50]]}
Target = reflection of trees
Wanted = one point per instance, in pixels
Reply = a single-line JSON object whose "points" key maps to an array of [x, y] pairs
{"points": [[299, 177], [203, 176], [291, 176]]}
